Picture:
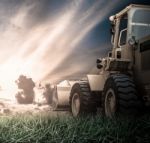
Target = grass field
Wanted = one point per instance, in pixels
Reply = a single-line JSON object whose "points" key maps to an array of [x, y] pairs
{"points": [[65, 129]]}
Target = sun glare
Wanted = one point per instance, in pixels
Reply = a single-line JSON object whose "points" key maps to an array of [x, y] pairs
{"points": [[10, 72], [39, 51]]}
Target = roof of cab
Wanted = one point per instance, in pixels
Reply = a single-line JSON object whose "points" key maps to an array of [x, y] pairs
{"points": [[129, 7]]}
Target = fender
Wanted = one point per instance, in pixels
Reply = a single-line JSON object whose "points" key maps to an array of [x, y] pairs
{"points": [[97, 82]]}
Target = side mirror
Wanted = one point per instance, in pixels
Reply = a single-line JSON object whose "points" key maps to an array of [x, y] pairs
{"points": [[112, 29], [112, 21], [98, 62]]}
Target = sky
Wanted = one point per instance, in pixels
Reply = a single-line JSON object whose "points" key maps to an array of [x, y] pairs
{"points": [[53, 40]]}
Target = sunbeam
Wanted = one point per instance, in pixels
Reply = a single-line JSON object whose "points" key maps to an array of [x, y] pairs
{"points": [[37, 51]]}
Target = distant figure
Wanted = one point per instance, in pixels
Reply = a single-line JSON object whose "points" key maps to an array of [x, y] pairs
{"points": [[26, 93], [48, 93]]}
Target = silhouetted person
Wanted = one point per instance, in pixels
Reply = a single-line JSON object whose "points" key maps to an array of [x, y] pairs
{"points": [[26, 85]]}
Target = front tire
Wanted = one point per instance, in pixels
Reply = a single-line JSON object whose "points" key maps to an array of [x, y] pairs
{"points": [[81, 100], [120, 96]]}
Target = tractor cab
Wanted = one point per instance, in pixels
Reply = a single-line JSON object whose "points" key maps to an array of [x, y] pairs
{"points": [[128, 27], [124, 77]]}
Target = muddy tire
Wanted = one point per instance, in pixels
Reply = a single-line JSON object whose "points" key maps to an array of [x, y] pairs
{"points": [[81, 100], [120, 96]]}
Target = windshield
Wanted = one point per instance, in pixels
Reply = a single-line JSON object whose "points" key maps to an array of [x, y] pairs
{"points": [[140, 23]]}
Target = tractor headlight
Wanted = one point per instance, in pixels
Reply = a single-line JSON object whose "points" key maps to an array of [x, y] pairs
{"points": [[111, 18], [99, 65]]}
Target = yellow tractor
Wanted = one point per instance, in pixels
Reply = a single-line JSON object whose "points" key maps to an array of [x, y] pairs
{"points": [[123, 83]]}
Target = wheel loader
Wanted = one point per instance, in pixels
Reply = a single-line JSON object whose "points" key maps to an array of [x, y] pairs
{"points": [[122, 85]]}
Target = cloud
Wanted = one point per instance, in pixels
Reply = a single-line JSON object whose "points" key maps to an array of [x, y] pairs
{"points": [[45, 45]]}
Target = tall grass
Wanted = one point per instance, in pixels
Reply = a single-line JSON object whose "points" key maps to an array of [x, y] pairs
{"points": [[66, 129]]}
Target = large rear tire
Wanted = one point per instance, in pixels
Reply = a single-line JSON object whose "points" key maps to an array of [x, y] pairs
{"points": [[120, 96], [82, 102]]}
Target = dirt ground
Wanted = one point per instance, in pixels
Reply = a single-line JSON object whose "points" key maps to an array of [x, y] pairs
{"points": [[9, 107]]}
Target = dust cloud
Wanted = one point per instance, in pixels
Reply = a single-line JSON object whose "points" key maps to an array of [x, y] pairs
{"points": [[40, 43]]}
